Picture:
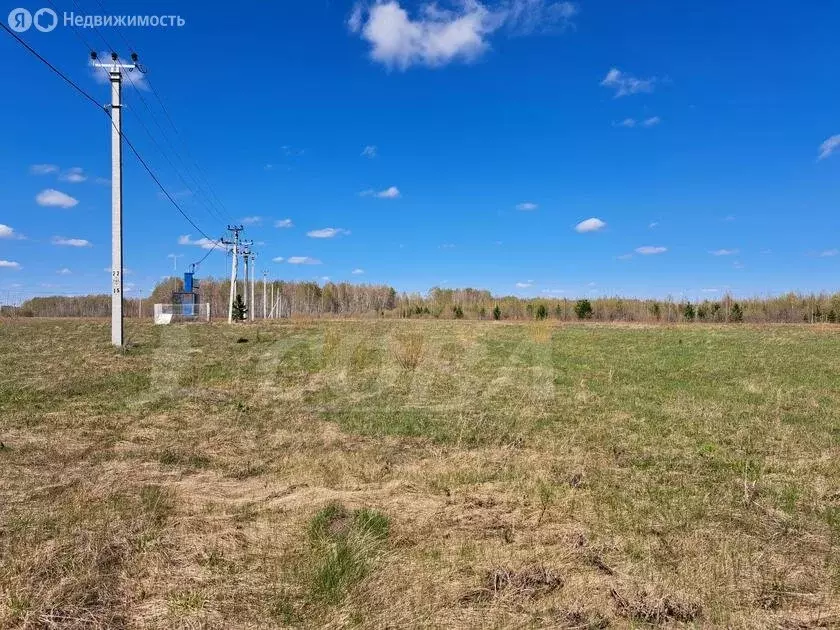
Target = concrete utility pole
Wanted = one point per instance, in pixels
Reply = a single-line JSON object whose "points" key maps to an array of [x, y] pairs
{"points": [[265, 294], [175, 258], [234, 266], [253, 277], [115, 70], [246, 257]]}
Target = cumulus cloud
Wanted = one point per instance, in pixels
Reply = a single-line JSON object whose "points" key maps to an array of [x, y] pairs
{"points": [[70, 242], [204, 243], [357, 272], [829, 252], [524, 285], [590, 225], [254, 220], [527, 206], [55, 198], [435, 37], [327, 233], [9, 264], [369, 151], [278, 259], [723, 252], [626, 84], [74, 175], [64, 272], [284, 223], [627, 122], [389, 193], [652, 121], [6, 231], [303, 260], [649, 250], [43, 169], [828, 147]]}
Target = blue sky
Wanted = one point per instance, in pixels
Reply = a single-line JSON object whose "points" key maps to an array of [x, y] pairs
{"points": [[525, 146]]}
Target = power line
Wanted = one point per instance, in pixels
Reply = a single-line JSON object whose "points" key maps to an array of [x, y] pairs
{"points": [[128, 142], [208, 206], [202, 178]]}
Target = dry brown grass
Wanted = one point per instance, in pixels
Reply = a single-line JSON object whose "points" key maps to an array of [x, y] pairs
{"points": [[530, 476]]}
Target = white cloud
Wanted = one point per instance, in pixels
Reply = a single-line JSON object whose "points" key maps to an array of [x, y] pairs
{"points": [[627, 122], [357, 272], [653, 224], [278, 259], [9, 264], [7, 231], [723, 252], [652, 121], [829, 252], [625, 84], [255, 220], [389, 193], [327, 233], [828, 147], [369, 151], [64, 272], [649, 250], [102, 181], [527, 206], [303, 260], [590, 225], [73, 175], [435, 37], [354, 22], [70, 242], [43, 169], [553, 291], [524, 285], [524, 17], [284, 223], [710, 290], [204, 243], [55, 198]]}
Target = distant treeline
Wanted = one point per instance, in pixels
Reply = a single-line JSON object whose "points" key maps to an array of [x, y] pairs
{"points": [[308, 299]]}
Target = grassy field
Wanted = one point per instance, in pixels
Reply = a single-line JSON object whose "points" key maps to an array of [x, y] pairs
{"points": [[419, 474]]}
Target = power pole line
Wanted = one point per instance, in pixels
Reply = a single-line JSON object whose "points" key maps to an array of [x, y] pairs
{"points": [[234, 266], [115, 70], [175, 258]]}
